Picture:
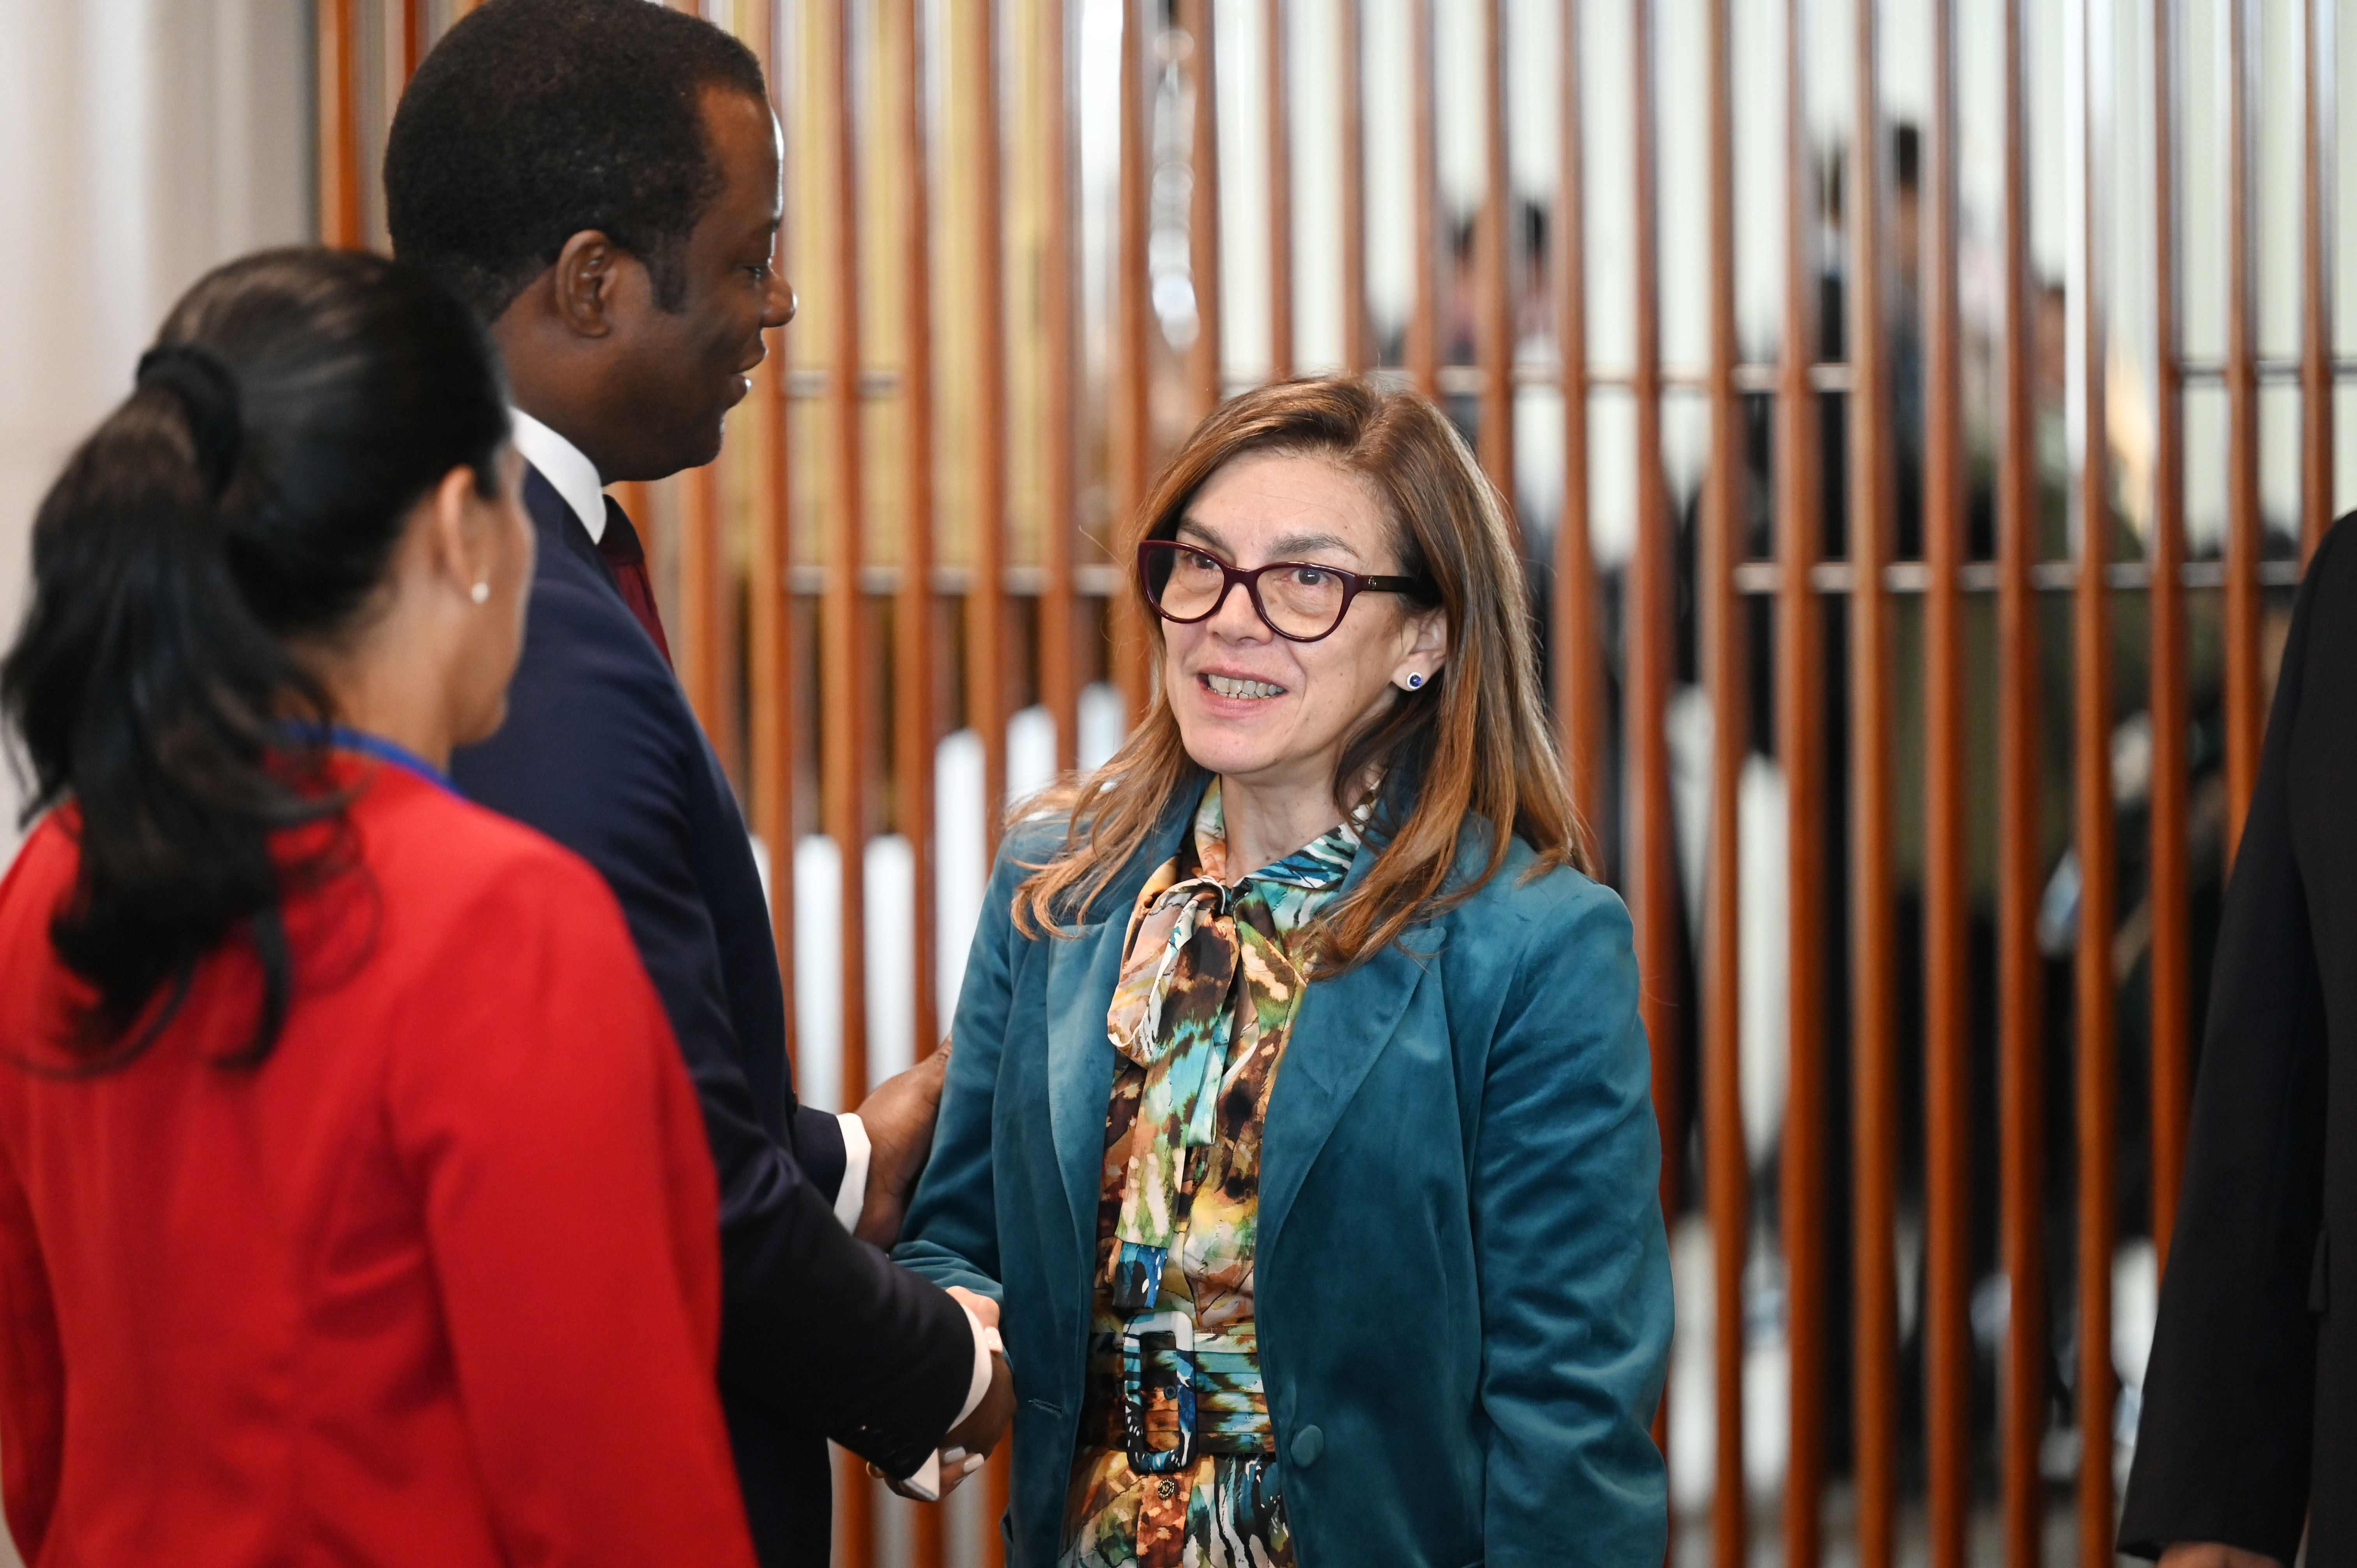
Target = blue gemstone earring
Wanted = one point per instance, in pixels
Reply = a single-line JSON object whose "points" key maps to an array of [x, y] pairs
{"points": [[1414, 681]]}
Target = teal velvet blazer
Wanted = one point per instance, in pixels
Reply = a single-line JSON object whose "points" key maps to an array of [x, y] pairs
{"points": [[1462, 1281]]}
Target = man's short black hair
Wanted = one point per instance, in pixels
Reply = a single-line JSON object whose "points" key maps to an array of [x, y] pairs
{"points": [[534, 120]]}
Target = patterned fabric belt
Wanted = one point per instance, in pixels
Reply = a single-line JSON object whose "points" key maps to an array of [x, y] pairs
{"points": [[1154, 1394]]}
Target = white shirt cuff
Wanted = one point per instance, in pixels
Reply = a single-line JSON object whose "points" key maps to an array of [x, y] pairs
{"points": [[852, 1196], [986, 1341], [926, 1482]]}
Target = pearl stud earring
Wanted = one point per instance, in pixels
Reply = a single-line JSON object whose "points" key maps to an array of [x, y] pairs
{"points": [[481, 593]]}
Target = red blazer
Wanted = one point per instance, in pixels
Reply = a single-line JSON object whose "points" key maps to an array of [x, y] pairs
{"points": [[437, 1283]]}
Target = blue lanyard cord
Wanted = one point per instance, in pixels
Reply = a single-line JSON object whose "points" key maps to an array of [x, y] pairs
{"points": [[384, 750]]}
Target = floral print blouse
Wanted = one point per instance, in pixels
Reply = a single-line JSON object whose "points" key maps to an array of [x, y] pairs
{"points": [[1175, 1462]]}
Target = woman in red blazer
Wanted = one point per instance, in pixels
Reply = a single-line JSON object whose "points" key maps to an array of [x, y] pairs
{"points": [[353, 1202]]}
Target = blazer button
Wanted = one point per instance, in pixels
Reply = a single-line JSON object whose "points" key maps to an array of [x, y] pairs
{"points": [[1308, 1444]]}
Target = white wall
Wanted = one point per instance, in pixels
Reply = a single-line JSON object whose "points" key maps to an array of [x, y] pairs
{"points": [[140, 142]]}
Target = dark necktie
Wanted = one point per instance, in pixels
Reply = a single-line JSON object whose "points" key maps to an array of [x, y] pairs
{"points": [[620, 547]]}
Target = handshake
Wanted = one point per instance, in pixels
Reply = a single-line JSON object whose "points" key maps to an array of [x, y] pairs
{"points": [[967, 1447], [898, 1119]]}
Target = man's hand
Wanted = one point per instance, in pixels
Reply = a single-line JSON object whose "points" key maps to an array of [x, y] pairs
{"points": [[898, 1116], [2214, 1554], [969, 1443], [970, 1440]]}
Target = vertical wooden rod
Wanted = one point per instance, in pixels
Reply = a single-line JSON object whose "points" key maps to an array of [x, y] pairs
{"points": [[1133, 433], [1059, 628], [412, 38], [986, 606], [339, 153], [2244, 704], [1874, 1009], [1492, 246], [2316, 273], [914, 728], [1277, 109], [844, 704], [1947, 1083], [1001, 1479], [1423, 325], [847, 668], [1200, 20], [1799, 740], [1726, 1170], [1576, 643], [2171, 965], [2096, 1009], [1652, 854], [2021, 1117], [1358, 352], [769, 607]]}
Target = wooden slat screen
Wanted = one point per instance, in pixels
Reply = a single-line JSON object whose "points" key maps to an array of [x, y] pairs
{"points": [[1885, 388]]}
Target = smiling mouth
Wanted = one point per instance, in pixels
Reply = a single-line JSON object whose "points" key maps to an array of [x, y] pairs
{"points": [[1228, 686], [741, 383]]}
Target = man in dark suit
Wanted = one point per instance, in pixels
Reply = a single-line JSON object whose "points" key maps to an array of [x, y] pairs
{"points": [[2249, 1431], [601, 179]]}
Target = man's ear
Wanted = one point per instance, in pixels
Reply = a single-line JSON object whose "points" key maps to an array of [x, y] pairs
{"points": [[581, 284]]}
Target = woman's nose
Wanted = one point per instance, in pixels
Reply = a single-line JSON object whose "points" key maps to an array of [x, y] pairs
{"points": [[1238, 618]]}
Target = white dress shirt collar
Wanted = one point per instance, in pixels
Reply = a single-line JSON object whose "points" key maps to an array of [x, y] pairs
{"points": [[567, 471]]}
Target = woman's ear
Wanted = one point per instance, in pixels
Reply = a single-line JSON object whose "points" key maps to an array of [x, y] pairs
{"points": [[1425, 636], [458, 548]]}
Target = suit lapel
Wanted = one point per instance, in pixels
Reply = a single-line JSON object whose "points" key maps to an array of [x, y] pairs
{"points": [[560, 526]]}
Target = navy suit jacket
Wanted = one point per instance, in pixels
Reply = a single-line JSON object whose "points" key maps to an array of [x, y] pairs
{"points": [[820, 1337]]}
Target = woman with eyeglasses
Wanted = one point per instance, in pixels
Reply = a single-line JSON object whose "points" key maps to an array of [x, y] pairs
{"points": [[1300, 1111], [354, 1203]]}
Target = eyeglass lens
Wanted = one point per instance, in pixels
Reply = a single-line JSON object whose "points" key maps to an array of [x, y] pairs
{"points": [[1299, 600]]}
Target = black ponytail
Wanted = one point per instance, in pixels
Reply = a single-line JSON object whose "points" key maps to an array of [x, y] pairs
{"points": [[248, 493]]}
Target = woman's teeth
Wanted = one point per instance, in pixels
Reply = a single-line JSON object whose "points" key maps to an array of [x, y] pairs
{"points": [[1226, 686]]}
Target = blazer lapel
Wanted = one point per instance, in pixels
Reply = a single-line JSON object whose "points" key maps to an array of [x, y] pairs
{"points": [[1346, 1022], [1083, 970]]}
